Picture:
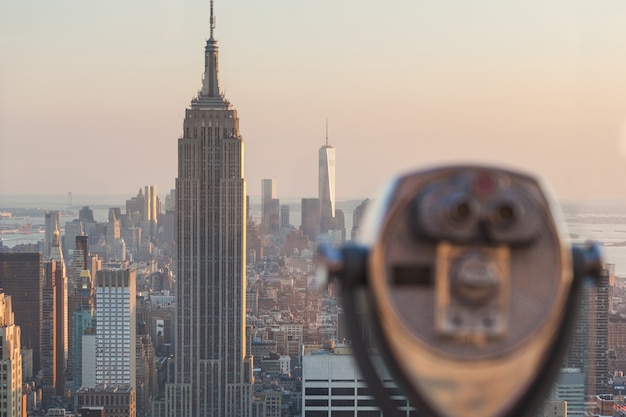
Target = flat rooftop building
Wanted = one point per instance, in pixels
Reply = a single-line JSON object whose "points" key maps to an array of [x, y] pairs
{"points": [[115, 400], [332, 386]]}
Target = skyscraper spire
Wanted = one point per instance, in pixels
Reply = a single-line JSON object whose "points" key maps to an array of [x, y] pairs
{"points": [[56, 241], [210, 95], [327, 132], [212, 21], [56, 252]]}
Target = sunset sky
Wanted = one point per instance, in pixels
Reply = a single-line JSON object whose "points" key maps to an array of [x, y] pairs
{"points": [[93, 93]]}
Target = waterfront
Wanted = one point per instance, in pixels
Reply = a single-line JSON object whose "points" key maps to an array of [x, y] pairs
{"points": [[604, 223], [35, 207]]}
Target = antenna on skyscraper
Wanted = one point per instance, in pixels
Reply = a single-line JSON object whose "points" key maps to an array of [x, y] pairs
{"points": [[327, 132], [212, 20]]}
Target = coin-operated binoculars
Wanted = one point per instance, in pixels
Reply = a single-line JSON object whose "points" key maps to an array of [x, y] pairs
{"points": [[470, 290]]}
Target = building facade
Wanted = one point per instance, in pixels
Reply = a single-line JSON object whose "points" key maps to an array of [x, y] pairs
{"points": [[21, 277], [80, 299], [212, 372], [61, 333], [310, 210], [115, 400], [10, 361], [50, 328], [116, 327], [553, 408], [285, 224], [357, 219], [326, 187], [52, 222], [332, 386], [570, 387], [269, 207], [150, 211], [84, 326], [145, 373], [588, 350], [267, 404]]}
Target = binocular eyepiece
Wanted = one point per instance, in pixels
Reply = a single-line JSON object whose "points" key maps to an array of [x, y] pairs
{"points": [[475, 207]]}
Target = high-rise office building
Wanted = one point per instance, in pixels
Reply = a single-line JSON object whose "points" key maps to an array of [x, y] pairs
{"points": [[326, 185], [212, 373], [332, 385], [310, 210], [588, 349], [136, 205], [269, 207], [10, 361], [268, 189], [150, 221], [570, 387], [80, 298], [83, 324], [146, 371], [27, 368], [80, 259], [72, 229], [88, 350], [86, 214], [116, 327], [50, 329], [21, 277], [357, 219], [274, 217], [61, 312], [285, 225], [113, 226]]}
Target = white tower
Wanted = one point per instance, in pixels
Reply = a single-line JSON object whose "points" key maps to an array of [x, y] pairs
{"points": [[326, 188], [116, 327]]}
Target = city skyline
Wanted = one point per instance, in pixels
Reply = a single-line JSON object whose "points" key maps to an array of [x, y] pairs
{"points": [[108, 133], [537, 86]]}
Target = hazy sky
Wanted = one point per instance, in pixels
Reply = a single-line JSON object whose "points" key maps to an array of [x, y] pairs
{"points": [[92, 93]]}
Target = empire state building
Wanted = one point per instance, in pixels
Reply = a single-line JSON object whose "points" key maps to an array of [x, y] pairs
{"points": [[212, 372]]}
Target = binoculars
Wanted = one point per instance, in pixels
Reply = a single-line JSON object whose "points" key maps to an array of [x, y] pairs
{"points": [[470, 288]]}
